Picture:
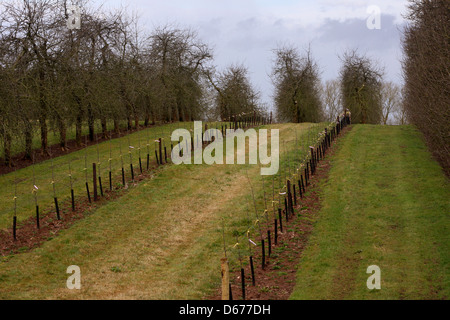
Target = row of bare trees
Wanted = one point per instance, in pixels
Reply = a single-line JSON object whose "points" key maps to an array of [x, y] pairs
{"points": [[426, 67], [301, 97], [54, 77]]}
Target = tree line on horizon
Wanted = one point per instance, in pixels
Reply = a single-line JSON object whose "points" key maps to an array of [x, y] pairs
{"points": [[54, 77], [301, 96], [111, 71]]}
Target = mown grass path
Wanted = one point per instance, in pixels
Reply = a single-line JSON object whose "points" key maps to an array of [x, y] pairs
{"points": [[386, 203]]}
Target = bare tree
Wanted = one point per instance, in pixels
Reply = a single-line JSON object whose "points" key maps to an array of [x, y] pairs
{"points": [[235, 93], [178, 57], [390, 100], [297, 85], [361, 82], [331, 99]]}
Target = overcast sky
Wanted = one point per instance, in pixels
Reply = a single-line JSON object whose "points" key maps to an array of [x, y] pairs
{"points": [[246, 31]]}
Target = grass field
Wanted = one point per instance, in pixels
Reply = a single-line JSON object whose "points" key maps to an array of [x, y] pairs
{"points": [[161, 240], [78, 160], [386, 203]]}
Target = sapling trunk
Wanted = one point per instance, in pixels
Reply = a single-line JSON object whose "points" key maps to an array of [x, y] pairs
{"points": [[131, 158], [54, 193], [165, 154], [250, 248], [242, 269], [258, 223], [72, 196], [148, 149], [15, 206], [160, 151], [263, 262], [223, 238], [86, 173], [99, 167], [266, 214], [94, 180], [139, 155], [286, 209], [110, 162], [121, 162], [35, 193], [294, 192], [280, 218], [275, 231], [285, 170], [156, 152]]}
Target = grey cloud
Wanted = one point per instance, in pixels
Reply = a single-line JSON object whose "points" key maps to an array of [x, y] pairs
{"points": [[355, 33], [251, 40]]}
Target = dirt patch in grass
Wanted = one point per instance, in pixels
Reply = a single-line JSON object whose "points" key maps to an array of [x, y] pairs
{"points": [[277, 280]]}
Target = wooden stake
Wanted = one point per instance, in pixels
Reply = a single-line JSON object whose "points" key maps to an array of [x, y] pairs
{"points": [[225, 279], [57, 209], [37, 218], [88, 193], [300, 189], [14, 228], [165, 154], [156, 156], [294, 194], [303, 185], [100, 184], [160, 152], [286, 209], [73, 199], [280, 219], [276, 231], [94, 180], [243, 283], [252, 269]]}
